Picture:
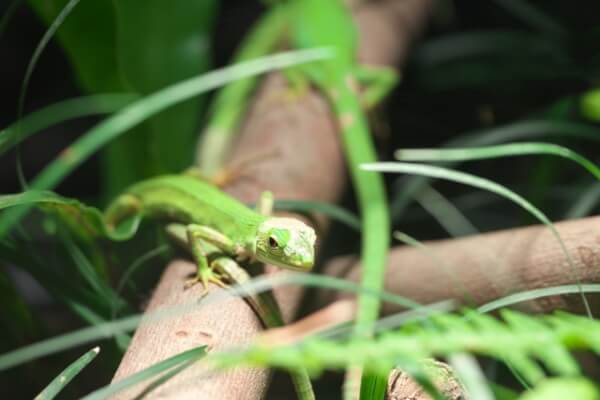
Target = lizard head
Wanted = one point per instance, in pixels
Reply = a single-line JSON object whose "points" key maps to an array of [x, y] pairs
{"points": [[287, 243]]}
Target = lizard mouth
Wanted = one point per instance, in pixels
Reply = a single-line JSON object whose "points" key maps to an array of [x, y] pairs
{"points": [[300, 265]]}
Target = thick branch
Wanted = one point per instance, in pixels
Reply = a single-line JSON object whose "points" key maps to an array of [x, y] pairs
{"points": [[308, 165], [478, 269]]}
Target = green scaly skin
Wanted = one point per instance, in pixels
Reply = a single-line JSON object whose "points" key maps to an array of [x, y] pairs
{"points": [[213, 216]]}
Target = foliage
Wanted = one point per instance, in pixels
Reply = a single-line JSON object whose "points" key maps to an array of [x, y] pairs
{"points": [[530, 345]]}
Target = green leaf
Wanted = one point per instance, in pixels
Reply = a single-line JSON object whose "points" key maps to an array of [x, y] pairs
{"points": [[373, 386], [536, 294], [155, 51], [67, 375]]}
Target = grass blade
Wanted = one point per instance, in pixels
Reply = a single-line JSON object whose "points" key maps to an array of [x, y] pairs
{"points": [[8, 14], [60, 18], [187, 357], [59, 112], [585, 203], [536, 294], [485, 184], [504, 150], [445, 212], [531, 15], [140, 110], [258, 285], [470, 374], [67, 375], [528, 129], [56, 23], [333, 211]]}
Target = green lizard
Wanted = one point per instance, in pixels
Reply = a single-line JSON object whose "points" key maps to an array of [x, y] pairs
{"points": [[212, 216]]}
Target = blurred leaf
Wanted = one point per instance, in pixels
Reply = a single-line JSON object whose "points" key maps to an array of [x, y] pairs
{"points": [[59, 112], [536, 294], [563, 388], [489, 152], [521, 130], [67, 375], [469, 373], [590, 105], [160, 43], [257, 285], [491, 59], [88, 36], [139, 111], [16, 319], [9, 12], [131, 43], [533, 16], [62, 283]]}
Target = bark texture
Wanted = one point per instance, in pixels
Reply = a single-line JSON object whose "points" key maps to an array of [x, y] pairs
{"points": [[478, 269]]}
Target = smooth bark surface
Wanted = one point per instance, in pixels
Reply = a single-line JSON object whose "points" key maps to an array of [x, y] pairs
{"points": [[478, 269]]}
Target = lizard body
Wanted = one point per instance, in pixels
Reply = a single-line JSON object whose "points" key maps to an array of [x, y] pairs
{"points": [[213, 216]]}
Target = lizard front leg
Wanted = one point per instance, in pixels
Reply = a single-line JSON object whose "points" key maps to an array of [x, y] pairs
{"points": [[197, 237]]}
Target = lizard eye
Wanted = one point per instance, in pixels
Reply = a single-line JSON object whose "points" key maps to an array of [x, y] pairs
{"points": [[273, 242]]}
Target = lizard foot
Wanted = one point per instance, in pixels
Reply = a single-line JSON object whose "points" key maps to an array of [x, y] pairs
{"points": [[205, 278]]}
